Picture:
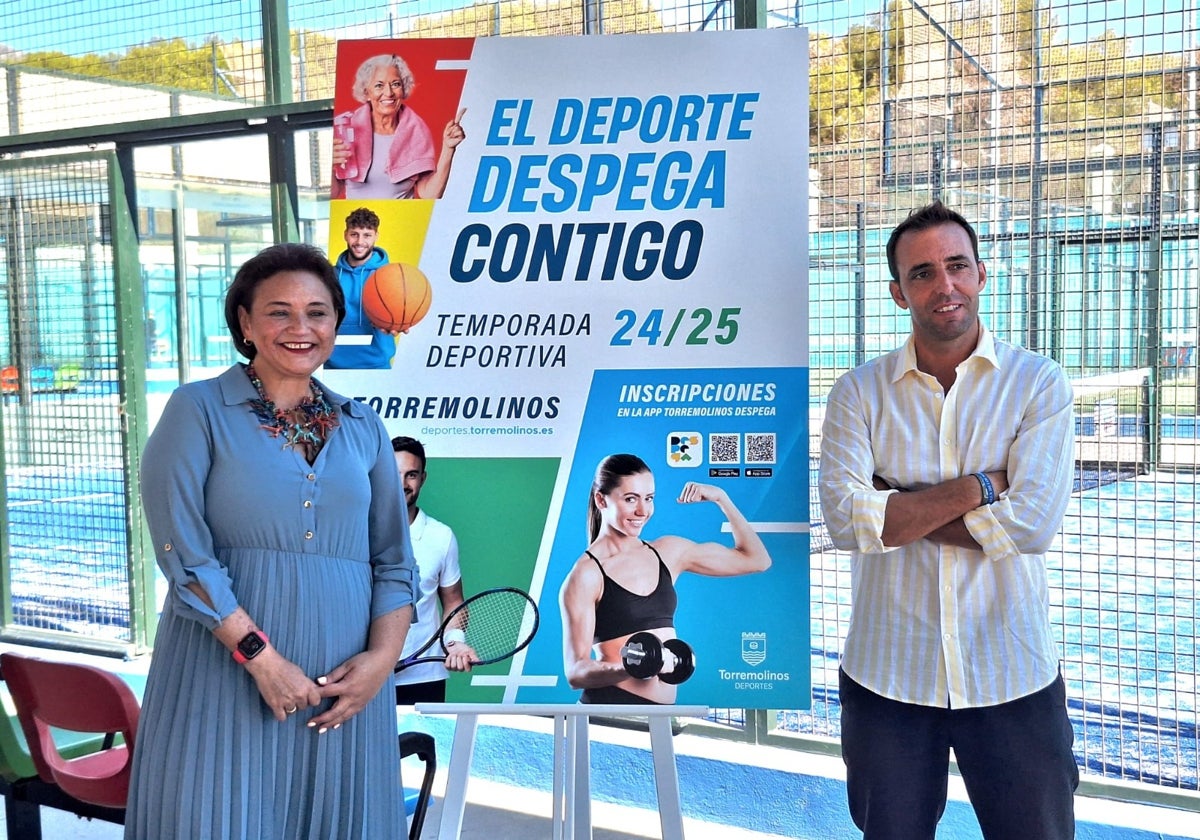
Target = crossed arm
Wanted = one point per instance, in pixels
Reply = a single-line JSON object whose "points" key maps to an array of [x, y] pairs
{"points": [[1027, 453], [935, 513]]}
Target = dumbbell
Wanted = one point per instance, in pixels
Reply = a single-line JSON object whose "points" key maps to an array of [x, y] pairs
{"points": [[642, 656]]}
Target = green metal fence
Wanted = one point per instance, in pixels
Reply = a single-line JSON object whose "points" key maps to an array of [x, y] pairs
{"points": [[73, 352], [1068, 130]]}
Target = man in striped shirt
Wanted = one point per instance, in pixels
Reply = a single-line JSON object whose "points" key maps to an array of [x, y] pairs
{"points": [[946, 468]]}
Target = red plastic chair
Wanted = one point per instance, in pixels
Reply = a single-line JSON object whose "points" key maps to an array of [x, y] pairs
{"points": [[10, 380], [78, 698]]}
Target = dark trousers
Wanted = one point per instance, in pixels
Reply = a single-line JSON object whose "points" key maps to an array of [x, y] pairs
{"points": [[433, 691], [1015, 760]]}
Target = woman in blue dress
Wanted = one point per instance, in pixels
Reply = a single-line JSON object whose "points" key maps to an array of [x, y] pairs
{"points": [[275, 510]]}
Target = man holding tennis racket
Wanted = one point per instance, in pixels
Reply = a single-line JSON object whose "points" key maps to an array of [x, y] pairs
{"points": [[436, 551], [946, 468]]}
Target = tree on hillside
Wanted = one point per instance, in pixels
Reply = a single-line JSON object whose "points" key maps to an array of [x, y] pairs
{"points": [[1023, 25], [864, 51], [316, 66], [171, 63], [1099, 81], [83, 65], [161, 62], [896, 41], [865, 43], [524, 17], [836, 110]]}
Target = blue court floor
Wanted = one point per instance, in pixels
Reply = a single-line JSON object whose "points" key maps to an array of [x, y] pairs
{"points": [[730, 791], [1123, 593], [1125, 608]]}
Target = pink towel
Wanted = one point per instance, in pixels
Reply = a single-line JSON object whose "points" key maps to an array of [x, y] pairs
{"points": [[412, 150]]}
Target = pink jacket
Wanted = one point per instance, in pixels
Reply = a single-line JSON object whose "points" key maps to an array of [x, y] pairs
{"points": [[412, 150]]}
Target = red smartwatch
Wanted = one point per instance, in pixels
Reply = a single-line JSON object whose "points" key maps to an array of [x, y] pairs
{"points": [[250, 646]]}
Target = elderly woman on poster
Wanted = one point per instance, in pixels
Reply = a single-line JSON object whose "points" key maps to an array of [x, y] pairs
{"points": [[383, 148]]}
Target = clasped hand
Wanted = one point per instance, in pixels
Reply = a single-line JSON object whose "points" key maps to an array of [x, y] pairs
{"points": [[286, 689]]}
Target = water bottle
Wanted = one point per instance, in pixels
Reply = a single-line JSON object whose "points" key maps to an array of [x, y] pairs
{"points": [[342, 130]]}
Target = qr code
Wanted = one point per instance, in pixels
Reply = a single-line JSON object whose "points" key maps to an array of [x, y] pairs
{"points": [[760, 448], [724, 448]]}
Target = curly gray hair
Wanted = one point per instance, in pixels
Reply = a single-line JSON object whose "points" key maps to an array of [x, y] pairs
{"points": [[366, 70]]}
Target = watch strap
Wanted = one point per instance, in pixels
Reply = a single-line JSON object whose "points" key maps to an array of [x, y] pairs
{"points": [[250, 646]]}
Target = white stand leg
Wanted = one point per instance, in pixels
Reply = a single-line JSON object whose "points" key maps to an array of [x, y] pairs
{"points": [[572, 808], [455, 802], [581, 806], [666, 778], [562, 760]]}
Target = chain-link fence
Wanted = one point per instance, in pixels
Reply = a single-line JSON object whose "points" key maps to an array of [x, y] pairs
{"points": [[1066, 130]]}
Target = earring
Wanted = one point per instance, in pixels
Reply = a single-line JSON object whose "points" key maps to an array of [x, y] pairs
{"points": [[247, 342]]}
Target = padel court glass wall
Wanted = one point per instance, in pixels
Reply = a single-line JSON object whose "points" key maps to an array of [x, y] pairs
{"points": [[73, 354], [1066, 129]]}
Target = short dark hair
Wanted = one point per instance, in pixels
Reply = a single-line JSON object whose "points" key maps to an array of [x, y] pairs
{"points": [[286, 256], [931, 215], [412, 446], [362, 217]]}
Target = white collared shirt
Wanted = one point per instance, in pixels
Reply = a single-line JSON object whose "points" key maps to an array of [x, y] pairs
{"points": [[938, 625], [436, 551]]}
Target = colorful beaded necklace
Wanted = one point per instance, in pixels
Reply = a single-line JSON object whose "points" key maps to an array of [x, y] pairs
{"points": [[317, 417]]}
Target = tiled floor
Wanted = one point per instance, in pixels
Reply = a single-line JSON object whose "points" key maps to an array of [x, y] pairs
{"points": [[502, 812], [497, 811], [496, 816]]}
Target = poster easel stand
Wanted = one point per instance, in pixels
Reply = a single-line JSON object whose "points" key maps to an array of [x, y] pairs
{"points": [[572, 817]]}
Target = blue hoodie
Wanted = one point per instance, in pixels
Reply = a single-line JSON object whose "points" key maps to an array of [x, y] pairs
{"points": [[378, 354]]}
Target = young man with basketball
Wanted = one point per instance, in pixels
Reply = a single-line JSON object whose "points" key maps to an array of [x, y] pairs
{"points": [[436, 551], [360, 345], [946, 468]]}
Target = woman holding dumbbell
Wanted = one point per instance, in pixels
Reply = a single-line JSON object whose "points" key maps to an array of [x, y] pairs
{"points": [[618, 601]]}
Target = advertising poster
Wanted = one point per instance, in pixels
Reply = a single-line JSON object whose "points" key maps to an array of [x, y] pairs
{"points": [[597, 270]]}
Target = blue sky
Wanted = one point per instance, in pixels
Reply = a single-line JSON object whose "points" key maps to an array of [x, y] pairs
{"points": [[78, 26]]}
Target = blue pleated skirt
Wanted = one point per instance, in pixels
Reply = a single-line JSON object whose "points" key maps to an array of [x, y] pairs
{"points": [[212, 762]]}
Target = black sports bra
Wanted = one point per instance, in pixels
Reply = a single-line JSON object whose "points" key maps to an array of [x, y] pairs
{"points": [[620, 612]]}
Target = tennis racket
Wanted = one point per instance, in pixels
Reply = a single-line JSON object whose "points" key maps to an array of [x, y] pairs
{"points": [[496, 623]]}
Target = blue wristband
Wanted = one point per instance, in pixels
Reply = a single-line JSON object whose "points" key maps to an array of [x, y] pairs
{"points": [[985, 484]]}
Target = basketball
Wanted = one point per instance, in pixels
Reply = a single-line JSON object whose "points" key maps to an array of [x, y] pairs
{"points": [[396, 297]]}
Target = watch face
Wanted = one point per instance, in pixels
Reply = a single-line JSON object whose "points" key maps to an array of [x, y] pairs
{"points": [[250, 645]]}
